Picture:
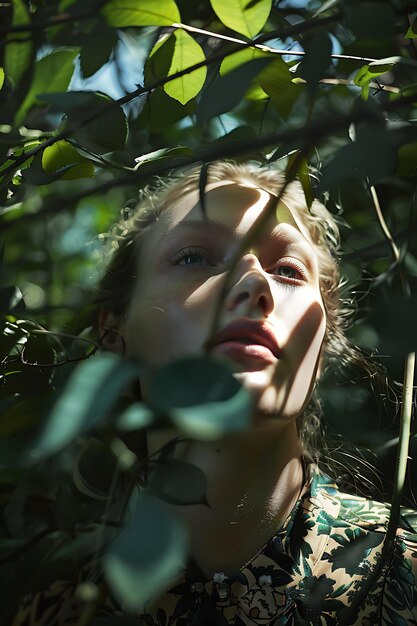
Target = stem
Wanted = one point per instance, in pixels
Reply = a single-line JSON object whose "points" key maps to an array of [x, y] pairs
{"points": [[404, 436], [247, 240], [262, 47], [314, 133]]}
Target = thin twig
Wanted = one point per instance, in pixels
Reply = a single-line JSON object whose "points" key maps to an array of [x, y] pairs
{"points": [[315, 132]]}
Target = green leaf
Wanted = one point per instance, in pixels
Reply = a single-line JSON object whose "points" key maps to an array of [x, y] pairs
{"points": [[372, 156], [236, 59], [135, 417], [149, 552], [243, 16], [97, 48], [277, 81], [52, 73], [61, 155], [317, 59], [395, 323], [106, 132], [178, 482], [121, 13], [303, 176], [369, 19], [368, 72], [226, 92], [187, 52], [407, 160], [1, 77], [201, 396], [412, 31], [18, 54], [92, 389]]}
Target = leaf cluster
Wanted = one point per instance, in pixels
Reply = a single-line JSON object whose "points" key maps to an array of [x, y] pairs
{"points": [[95, 99]]}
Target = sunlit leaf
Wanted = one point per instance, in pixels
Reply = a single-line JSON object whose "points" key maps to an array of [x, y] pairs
{"points": [[18, 53], [148, 553], [123, 13], [62, 154], [412, 31], [187, 52], [243, 16], [92, 389], [201, 396], [1, 77], [236, 59], [178, 482], [52, 73], [226, 92]]}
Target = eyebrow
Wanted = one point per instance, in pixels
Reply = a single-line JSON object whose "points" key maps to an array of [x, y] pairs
{"points": [[202, 225]]}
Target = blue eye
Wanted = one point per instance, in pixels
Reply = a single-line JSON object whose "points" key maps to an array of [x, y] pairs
{"points": [[193, 257], [286, 271]]}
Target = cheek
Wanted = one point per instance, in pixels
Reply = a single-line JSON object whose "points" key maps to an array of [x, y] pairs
{"points": [[168, 319]]}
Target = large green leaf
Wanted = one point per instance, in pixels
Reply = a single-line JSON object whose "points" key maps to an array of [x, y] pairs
{"points": [[61, 155], [52, 73], [226, 92], [149, 551], [187, 52], [372, 156], [244, 16], [201, 396], [318, 49], [123, 13], [91, 391], [18, 53], [105, 132], [97, 48], [277, 81]]}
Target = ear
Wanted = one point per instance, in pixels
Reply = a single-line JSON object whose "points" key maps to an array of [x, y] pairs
{"points": [[111, 337]]}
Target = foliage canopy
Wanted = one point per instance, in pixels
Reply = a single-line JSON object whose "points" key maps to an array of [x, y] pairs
{"points": [[95, 99]]}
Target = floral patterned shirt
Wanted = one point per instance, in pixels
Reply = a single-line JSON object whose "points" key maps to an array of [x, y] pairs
{"points": [[307, 574]]}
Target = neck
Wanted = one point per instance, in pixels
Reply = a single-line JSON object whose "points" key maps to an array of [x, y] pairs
{"points": [[253, 481]]}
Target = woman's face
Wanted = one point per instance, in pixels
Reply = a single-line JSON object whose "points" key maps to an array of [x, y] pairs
{"points": [[272, 322]]}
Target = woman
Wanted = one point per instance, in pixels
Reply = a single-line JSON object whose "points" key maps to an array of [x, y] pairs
{"points": [[279, 543]]}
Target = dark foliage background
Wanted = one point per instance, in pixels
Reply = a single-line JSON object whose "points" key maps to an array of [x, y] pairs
{"points": [[95, 99]]}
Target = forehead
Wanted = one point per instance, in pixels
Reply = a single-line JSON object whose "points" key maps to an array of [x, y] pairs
{"points": [[234, 205]]}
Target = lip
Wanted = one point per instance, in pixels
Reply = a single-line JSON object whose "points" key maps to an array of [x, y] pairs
{"points": [[248, 340]]}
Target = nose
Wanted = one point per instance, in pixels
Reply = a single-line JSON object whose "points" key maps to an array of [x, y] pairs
{"points": [[251, 292]]}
